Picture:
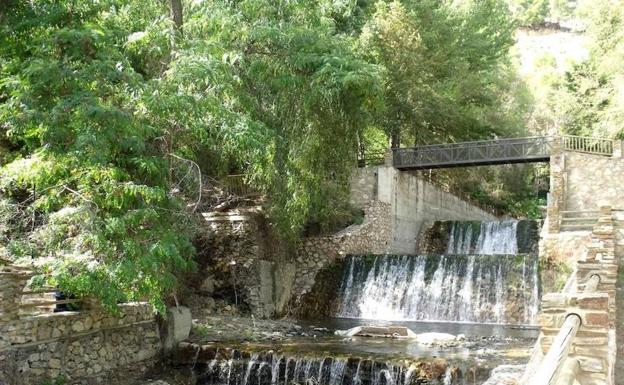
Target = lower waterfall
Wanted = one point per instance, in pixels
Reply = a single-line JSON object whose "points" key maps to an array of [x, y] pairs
{"points": [[275, 368], [461, 288]]}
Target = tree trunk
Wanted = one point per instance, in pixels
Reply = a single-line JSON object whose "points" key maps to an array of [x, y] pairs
{"points": [[395, 137], [176, 14]]}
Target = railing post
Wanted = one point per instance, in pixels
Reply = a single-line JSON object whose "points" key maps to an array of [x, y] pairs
{"points": [[390, 157], [617, 148]]}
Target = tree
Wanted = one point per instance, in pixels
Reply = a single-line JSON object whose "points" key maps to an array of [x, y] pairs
{"points": [[446, 67]]}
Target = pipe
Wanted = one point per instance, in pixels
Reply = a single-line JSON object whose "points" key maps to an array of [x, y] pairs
{"points": [[551, 365], [592, 284], [568, 373]]}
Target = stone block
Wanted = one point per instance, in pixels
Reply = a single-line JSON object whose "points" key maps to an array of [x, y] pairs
{"points": [[600, 319], [178, 327], [555, 300], [598, 301], [592, 364]]}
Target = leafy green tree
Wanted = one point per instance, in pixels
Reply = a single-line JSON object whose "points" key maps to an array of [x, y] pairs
{"points": [[588, 99], [446, 69], [89, 178], [100, 100]]}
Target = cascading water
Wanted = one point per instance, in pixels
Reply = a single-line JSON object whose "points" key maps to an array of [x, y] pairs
{"points": [[490, 238], [465, 288], [273, 368]]}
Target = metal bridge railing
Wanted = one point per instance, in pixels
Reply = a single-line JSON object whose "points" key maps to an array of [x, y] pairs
{"points": [[477, 152], [596, 146], [497, 151]]}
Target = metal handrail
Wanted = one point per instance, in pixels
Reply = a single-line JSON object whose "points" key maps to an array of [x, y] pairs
{"points": [[589, 145], [480, 152], [556, 361], [552, 363], [475, 143], [496, 151]]}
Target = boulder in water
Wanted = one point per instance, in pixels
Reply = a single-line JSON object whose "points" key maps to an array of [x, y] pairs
{"points": [[435, 338]]}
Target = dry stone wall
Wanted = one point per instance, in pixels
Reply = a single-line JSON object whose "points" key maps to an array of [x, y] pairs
{"points": [[77, 346]]}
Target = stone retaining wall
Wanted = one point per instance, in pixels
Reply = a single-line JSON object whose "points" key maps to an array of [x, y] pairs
{"points": [[244, 254], [371, 237], [589, 181], [76, 345]]}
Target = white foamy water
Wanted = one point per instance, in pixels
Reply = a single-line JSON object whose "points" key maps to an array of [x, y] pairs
{"points": [[497, 237], [471, 288]]}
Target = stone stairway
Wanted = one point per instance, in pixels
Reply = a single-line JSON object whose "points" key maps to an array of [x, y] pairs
{"points": [[578, 220]]}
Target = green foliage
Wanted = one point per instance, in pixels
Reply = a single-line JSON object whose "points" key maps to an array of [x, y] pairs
{"points": [[589, 97], [536, 13], [508, 189], [89, 183], [105, 110], [446, 69], [60, 380], [530, 13]]}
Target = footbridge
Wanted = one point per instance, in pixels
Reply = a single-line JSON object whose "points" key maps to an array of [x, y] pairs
{"points": [[496, 151]]}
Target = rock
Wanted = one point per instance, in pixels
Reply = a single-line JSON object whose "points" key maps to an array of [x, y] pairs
{"points": [[54, 363], [435, 338], [377, 331], [78, 326], [208, 285]]}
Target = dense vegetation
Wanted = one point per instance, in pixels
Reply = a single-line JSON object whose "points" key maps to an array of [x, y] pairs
{"points": [[589, 98], [107, 107]]}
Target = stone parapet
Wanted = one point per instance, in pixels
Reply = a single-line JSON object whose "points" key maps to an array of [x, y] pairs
{"points": [[77, 345], [592, 300]]}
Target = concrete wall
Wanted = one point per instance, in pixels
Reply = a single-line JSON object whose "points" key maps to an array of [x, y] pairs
{"points": [[414, 203]]}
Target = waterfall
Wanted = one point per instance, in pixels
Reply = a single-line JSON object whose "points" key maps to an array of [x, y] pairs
{"points": [[270, 368], [463, 288], [497, 237]]}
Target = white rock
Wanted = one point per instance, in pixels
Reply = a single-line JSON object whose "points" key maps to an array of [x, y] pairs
{"points": [[432, 338]]}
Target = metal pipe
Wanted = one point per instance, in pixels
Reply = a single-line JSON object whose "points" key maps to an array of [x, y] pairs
{"points": [[592, 284], [551, 365], [568, 373]]}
